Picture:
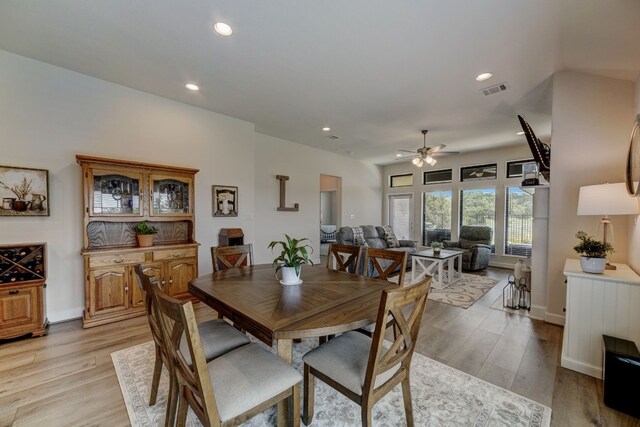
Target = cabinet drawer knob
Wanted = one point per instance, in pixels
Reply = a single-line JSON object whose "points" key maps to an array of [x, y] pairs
{"points": [[14, 292], [118, 261], [176, 255]]}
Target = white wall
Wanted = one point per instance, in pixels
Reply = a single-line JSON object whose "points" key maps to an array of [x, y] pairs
{"points": [[499, 156], [361, 192], [634, 221], [49, 114], [590, 131]]}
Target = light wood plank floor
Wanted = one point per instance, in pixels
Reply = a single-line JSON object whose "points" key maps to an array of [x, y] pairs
{"points": [[67, 378]]}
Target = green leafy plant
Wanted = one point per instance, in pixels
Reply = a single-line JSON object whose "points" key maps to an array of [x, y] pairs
{"points": [[144, 228], [590, 247], [437, 245], [293, 254]]}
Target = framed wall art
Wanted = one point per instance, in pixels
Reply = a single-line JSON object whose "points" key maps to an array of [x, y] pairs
{"points": [[24, 191], [225, 200]]}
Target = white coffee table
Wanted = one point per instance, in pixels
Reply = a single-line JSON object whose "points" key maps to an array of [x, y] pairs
{"points": [[427, 263]]}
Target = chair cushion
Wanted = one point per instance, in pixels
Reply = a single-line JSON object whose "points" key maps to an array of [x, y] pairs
{"points": [[344, 359], [246, 377], [217, 337]]}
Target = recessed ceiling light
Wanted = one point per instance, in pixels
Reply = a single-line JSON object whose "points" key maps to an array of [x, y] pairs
{"points": [[222, 28], [326, 129], [520, 133], [398, 155], [484, 76], [192, 86]]}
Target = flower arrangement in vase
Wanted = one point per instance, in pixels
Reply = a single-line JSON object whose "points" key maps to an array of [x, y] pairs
{"points": [[144, 233], [437, 247]]}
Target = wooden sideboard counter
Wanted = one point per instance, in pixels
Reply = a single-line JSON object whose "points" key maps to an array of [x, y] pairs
{"points": [[598, 304]]}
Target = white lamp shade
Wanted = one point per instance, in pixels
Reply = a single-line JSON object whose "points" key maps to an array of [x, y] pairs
{"points": [[607, 199]]}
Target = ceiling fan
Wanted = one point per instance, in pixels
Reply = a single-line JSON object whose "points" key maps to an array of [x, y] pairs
{"points": [[425, 154]]}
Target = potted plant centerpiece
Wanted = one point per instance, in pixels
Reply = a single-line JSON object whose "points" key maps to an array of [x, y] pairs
{"points": [[294, 254], [437, 247], [144, 233], [593, 253]]}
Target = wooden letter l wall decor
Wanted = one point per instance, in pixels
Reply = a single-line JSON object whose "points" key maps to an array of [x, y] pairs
{"points": [[282, 207]]}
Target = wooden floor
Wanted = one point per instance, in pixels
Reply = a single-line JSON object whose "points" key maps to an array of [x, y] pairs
{"points": [[67, 378]]}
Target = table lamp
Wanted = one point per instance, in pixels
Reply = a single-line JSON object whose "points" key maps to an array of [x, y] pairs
{"points": [[605, 200]]}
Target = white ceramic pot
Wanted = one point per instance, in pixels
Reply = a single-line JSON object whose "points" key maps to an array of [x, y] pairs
{"points": [[290, 276], [593, 265]]}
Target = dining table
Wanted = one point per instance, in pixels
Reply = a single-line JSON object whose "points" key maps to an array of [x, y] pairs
{"points": [[326, 302]]}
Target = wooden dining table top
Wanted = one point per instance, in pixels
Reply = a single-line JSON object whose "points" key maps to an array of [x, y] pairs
{"points": [[327, 302]]}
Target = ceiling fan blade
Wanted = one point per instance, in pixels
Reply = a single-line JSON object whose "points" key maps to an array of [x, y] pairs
{"points": [[436, 148], [405, 158], [408, 151], [444, 153]]}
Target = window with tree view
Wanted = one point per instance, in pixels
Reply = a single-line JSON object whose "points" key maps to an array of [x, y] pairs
{"points": [[478, 207], [437, 216], [518, 233]]}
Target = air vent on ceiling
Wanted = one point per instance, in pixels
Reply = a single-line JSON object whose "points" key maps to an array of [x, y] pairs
{"points": [[501, 87], [332, 137]]}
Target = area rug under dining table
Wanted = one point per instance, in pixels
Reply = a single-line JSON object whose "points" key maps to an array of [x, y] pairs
{"points": [[442, 396]]}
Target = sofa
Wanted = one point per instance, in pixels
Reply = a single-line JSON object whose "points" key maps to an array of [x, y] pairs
{"points": [[475, 240], [376, 237]]}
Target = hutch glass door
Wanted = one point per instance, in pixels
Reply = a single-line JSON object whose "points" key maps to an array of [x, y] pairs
{"points": [[171, 195], [115, 194]]}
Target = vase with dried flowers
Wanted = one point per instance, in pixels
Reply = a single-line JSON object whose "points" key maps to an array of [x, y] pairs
{"points": [[21, 191]]}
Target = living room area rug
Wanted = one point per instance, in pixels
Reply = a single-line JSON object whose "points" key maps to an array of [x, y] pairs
{"points": [[462, 293], [442, 396]]}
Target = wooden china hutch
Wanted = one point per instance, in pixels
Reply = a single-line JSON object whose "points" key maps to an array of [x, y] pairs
{"points": [[117, 195]]}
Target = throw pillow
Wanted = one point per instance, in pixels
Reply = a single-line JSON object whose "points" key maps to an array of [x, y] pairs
{"points": [[390, 237], [358, 237]]}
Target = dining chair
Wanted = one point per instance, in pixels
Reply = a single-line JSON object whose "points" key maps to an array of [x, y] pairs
{"points": [[230, 389], [382, 263], [226, 257], [365, 369], [344, 258], [217, 335]]}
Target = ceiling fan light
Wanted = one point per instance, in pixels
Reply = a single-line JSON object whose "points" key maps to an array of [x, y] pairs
{"points": [[432, 162], [416, 160]]}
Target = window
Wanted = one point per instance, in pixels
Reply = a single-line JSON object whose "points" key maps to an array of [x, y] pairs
{"points": [[405, 180], [518, 233], [478, 207], [437, 177], [437, 216], [400, 215], [479, 172], [514, 169]]}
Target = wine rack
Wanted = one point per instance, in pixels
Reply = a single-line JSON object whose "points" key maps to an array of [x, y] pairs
{"points": [[22, 263], [23, 273]]}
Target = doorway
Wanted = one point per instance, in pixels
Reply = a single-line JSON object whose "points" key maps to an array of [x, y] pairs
{"points": [[330, 210], [400, 218]]}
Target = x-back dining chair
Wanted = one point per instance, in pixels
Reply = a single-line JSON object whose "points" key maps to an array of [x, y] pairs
{"points": [[344, 258], [383, 262], [230, 389], [218, 337], [226, 257], [365, 369]]}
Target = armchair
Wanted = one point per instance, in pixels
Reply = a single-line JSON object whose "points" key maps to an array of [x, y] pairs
{"points": [[475, 240]]}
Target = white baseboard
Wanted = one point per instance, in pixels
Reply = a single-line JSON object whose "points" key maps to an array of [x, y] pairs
{"points": [[64, 315], [556, 319], [582, 367], [501, 265], [538, 312]]}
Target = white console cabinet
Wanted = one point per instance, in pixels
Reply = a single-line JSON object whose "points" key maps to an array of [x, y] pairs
{"points": [[598, 304]]}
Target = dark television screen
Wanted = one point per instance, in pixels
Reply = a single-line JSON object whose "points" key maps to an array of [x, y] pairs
{"points": [[541, 152]]}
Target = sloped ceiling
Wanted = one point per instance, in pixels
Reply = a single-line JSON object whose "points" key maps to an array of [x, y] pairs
{"points": [[376, 72]]}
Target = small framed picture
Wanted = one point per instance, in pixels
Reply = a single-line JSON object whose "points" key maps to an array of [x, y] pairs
{"points": [[225, 200], [24, 191]]}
